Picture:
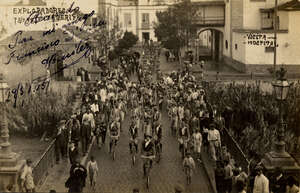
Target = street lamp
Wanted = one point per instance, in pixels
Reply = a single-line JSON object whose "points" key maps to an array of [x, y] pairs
{"points": [[10, 166], [281, 88], [5, 145], [279, 157]]}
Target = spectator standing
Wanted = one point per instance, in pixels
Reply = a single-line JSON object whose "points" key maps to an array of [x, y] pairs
{"points": [[27, 183], [88, 124], [167, 54], [92, 167], [60, 142], [234, 180], [261, 182], [241, 187], [219, 177], [73, 153], [76, 180], [292, 185], [197, 139], [277, 182], [74, 125], [214, 140], [228, 176], [83, 74]]}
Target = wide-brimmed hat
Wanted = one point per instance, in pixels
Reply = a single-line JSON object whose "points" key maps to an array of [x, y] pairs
{"points": [[212, 125], [28, 161], [259, 168], [62, 122]]}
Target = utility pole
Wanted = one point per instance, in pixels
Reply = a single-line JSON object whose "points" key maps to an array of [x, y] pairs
{"points": [[275, 35]]}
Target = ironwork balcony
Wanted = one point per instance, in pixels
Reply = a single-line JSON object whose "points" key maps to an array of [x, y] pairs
{"points": [[209, 21]]}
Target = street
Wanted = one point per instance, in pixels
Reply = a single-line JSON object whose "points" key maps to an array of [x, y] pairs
{"points": [[121, 176]]}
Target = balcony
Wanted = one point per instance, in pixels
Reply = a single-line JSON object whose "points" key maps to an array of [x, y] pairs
{"points": [[145, 25], [209, 21]]}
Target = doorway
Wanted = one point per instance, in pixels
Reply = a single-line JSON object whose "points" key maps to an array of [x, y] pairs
{"points": [[146, 36]]}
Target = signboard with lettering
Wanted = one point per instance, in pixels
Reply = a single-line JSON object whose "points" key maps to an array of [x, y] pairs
{"points": [[259, 39]]}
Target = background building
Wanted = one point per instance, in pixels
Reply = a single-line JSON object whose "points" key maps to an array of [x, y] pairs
{"points": [[249, 34], [136, 16]]}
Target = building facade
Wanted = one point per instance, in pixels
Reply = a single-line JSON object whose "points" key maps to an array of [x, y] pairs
{"points": [[136, 16], [249, 34]]}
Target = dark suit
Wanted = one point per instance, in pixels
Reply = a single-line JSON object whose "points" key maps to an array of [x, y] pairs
{"points": [[73, 154], [149, 149], [60, 143], [76, 181], [85, 136], [75, 130]]}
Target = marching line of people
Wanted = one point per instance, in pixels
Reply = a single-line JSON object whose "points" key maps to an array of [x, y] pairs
{"points": [[196, 124]]}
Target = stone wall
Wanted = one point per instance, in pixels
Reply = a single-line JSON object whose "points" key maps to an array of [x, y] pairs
{"points": [[240, 67]]}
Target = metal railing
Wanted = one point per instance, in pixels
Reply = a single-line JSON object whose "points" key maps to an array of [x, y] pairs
{"points": [[235, 150], [44, 164]]}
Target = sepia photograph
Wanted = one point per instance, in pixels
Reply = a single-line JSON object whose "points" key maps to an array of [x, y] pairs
{"points": [[150, 96]]}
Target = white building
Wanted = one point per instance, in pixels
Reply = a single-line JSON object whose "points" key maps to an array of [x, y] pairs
{"points": [[136, 16], [249, 34]]}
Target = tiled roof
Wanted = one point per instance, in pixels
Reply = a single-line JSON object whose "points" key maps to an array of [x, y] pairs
{"points": [[293, 5]]}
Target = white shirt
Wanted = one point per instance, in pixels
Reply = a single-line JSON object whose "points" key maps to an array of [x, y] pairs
{"points": [[95, 107], [88, 118], [261, 184], [27, 177]]}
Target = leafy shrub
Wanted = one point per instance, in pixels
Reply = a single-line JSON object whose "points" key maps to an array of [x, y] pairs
{"points": [[38, 113], [255, 116]]}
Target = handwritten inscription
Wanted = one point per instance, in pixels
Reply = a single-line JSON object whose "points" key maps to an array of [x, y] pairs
{"points": [[78, 49], [81, 50], [32, 52], [19, 40], [21, 90], [37, 16]]}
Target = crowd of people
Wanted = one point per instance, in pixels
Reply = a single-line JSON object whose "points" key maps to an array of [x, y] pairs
{"points": [[195, 123]]}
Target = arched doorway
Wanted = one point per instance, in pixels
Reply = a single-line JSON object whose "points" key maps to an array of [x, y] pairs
{"points": [[210, 44]]}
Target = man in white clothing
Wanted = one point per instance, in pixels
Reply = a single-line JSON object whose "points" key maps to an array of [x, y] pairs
{"points": [[214, 140], [261, 182]]}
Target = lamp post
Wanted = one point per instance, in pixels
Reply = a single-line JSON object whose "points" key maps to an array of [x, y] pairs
{"points": [[5, 145], [279, 157], [275, 34], [10, 166], [281, 89]]}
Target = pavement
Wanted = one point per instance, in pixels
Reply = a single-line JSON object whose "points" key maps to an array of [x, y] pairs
{"points": [[121, 176]]}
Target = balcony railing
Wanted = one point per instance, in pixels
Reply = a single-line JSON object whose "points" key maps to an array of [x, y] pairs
{"points": [[145, 25], [209, 21]]}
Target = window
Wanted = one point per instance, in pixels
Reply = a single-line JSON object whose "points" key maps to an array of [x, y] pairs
{"points": [[145, 18], [269, 49], [236, 46], [267, 20], [226, 44], [127, 19]]}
